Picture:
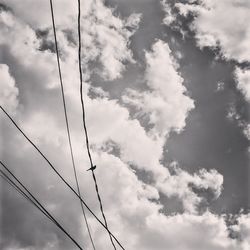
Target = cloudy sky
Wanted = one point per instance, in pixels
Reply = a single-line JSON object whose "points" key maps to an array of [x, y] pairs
{"points": [[167, 93]]}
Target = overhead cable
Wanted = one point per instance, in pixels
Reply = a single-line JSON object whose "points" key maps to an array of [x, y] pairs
{"points": [[67, 122], [60, 176], [38, 204], [7, 179], [84, 121]]}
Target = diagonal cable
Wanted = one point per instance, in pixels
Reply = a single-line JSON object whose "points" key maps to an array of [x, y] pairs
{"points": [[84, 120], [39, 205], [6, 178], [11, 183], [59, 175], [67, 122]]}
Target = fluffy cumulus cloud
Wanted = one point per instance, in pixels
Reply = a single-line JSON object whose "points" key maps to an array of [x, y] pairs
{"points": [[105, 37], [169, 16], [227, 30], [119, 143], [183, 186], [166, 105], [220, 24], [166, 102], [243, 228]]}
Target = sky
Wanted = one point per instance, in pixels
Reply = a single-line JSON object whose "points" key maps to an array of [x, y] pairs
{"points": [[167, 96]]}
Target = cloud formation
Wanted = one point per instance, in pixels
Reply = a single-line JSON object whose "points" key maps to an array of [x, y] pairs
{"points": [[9, 92], [165, 103], [220, 24], [105, 36], [119, 142], [222, 27], [242, 78]]}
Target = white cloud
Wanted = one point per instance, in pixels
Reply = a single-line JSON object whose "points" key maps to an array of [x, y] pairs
{"points": [[189, 229], [167, 106], [105, 36], [243, 228], [166, 102], [234, 116], [181, 185], [116, 120], [169, 16], [40, 17], [221, 24], [9, 91], [242, 78], [19, 40], [133, 208]]}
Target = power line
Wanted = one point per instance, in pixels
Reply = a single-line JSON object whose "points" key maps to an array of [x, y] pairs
{"points": [[6, 179], [33, 200], [60, 176], [84, 120], [20, 191], [67, 122], [37, 203]]}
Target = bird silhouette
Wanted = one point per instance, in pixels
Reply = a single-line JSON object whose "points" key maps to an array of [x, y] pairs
{"points": [[92, 168]]}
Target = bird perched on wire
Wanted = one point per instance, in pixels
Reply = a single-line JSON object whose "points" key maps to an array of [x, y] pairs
{"points": [[92, 168]]}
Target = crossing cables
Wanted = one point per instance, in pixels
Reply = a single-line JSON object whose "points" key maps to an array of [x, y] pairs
{"points": [[30, 197], [59, 175], [67, 122], [84, 121]]}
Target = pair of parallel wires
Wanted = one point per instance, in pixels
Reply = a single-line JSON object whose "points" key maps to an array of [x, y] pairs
{"points": [[28, 195], [22, 190]]}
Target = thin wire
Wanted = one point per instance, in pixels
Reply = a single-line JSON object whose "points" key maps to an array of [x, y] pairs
{"points": [[84, 120], [38, 205], [6, 179], [59, 175], [21, 192], [67, 122], [33, 200]]}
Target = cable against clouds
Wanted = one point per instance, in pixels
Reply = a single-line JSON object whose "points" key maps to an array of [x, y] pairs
{"points": [[84, 120], [7, 179], [59, 175], [36, 203], [67, 122]]}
